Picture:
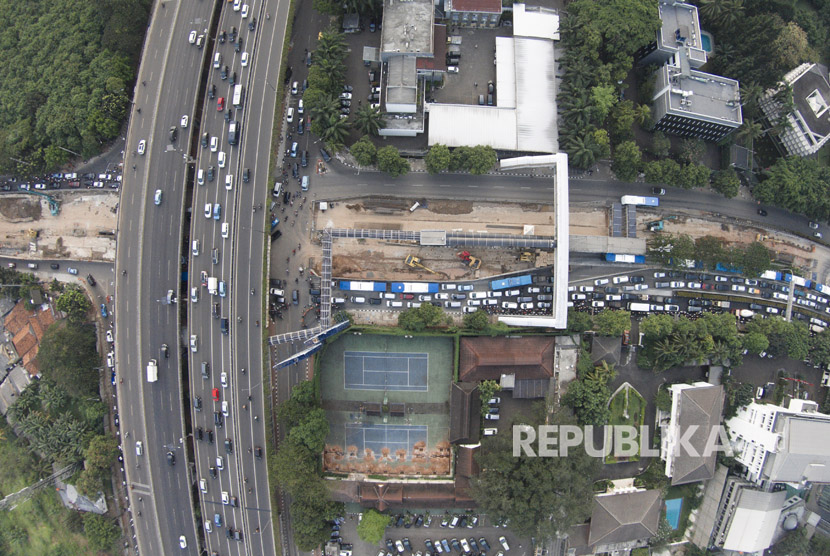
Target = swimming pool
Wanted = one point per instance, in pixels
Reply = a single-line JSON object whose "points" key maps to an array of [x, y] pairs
{"points": [[706, 42], [673, 512]]}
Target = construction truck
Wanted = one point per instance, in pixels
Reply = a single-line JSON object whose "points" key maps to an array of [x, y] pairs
{"points": [[415, 262], [527, 257], [472, 262]]}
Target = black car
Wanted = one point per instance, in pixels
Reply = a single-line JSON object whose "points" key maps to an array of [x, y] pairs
{"points": [[200, 433], [224, 73], [391, 546], [722, 287], [215, 310], [238, 46], [217, 419], [347, 88], [301, 126], [304, 159], [428, 544], [212, 92], [637, 280], [295, 170], [232, 80], [374, 301], [325, 155], [165, 351], [171, 458], [197, 403], [211, 173], [233, 34], [54, 266], [252, 24], [90, 280], [229, 114], [222, 37], [285, 198], [212, 471], [762, 212], [205, 139], [258, 452], [407, 544], [692, 276], [210, 436], [229, 445], [246, 175], [345, 111]]}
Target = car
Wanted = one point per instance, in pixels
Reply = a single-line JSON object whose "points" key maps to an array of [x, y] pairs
{"points": [[583, 289], [225, 408], [504, 544], [104, 310], [399, 545], [184, 121], [237, 5], [182, 542], [817, 235], [171, 458], [658, 191], [484, 544], [157, 197], [600, 281], [220, 104], [191, 38], [676, 285], [226, 231], [304, 159], [243, 61], [446, 545], [217, 211], [301, 126], [813, 225], [345, 96], [295, 88], [294, 147], [214, 146], [762, 212], [465, 546], [244, 11], [208, 210], [142, 146], [222, 159], [300, 107], [229, 182], [325, 155]]}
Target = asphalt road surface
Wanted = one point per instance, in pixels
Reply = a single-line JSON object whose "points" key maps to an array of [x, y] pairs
{"points": [[146, 268]]}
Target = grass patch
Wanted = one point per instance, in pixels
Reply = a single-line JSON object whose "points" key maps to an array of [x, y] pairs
{"points": [[691, 499], [627, 408]]}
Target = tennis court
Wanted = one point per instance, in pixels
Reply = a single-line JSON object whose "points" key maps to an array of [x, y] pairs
{"points": [[371, 370], [376, 437]]}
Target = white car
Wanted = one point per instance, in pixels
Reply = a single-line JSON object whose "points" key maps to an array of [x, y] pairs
{"points": [[222, 159], [583, 289], [194, 294], [452, 69], [504, 544], [191, 38], [424, 298], [244, 11], [345, 96], [220, 463], [600, 281], [110, 338], [182, 542], [142, 146], [442, 296], [659, 274], [157, 197], [226, 230], [465, 545], [721, 279], [110, 360], [225, 410], [229, 182], [194, 343], [208, 210], [677, 284], [184, 121], [237, 5], [223, 378], [225, 498], [694, 285], [214, 144], [203, 485], [244, 60], [300, 107]]}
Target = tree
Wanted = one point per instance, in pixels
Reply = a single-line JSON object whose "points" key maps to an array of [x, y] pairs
{"points": [[437, 159], [670, 249], [311, 513], [663, 400], [477, 320], [391, 161], [660, 144], [335, 132], [726, 182], [621, 124], [303, 399], [755, 342], [787, 339], [755, 259], [74, 303], [481, 159], [627, 160], [101, 532], [798, 184], [791, 48], [373, 526], [589, 401], [419, 318], [297, 467], [578, 321], [612, 323], [487, 389], [749, 132], [101, 453], [709, 250], [68, 355], [642, 115], [364, 152], [311, 431], [692, 151], [368, 120], [541, 496], [329, 7], [793, 544], [603, 98]]}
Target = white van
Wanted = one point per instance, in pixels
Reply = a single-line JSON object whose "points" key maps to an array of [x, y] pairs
{"points": [[139, 447], [354, 299], [452, 304], [394, 303], [277, 189], [290, 117], [195, 247], [217, 60], [478, 295], [200, 176], [388, 295], [338, 300], [509, 305]]}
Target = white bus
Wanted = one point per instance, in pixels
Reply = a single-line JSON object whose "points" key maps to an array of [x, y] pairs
{"points": [[237, 95]]}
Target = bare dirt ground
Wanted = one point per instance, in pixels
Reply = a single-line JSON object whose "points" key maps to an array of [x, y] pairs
{"points": [[28, 229], [370, 259]]}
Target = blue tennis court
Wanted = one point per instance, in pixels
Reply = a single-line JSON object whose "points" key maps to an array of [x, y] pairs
{"points": [[370, 370], [377, 437]]}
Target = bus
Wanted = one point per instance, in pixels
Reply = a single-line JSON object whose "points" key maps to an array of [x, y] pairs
{"points": [[237, 95]]}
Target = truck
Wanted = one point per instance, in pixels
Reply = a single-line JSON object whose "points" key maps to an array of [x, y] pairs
{"points": [[639, 307], [213, 285], [743, 313], [414, 287], [233, 133], [237, 95], [723, 304], [641, 201], [152, 371]]}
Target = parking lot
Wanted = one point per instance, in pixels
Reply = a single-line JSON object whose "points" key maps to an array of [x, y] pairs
{"points": [[435, 533]]}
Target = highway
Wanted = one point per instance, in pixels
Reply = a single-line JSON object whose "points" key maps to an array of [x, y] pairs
{"points": [[147, 266], [238, 263]]}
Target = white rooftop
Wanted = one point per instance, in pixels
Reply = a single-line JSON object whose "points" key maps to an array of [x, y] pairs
{"points": [[535, 21]]}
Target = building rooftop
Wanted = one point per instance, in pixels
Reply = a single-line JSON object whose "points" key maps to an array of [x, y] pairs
{"points": [[799, 457], [620, 518], [680, 29], [702, 95], [407, 27], [487, 358], [535, 22], [700, 407], [465, 412], [486, 6], [754, 520], [401, 80]]}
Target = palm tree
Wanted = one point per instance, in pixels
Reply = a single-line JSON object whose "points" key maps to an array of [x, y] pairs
{"points": [[712, 9], [334, 69], [335, 132], [368, 120], [582, 150], [733, 13], [642, 114], [330, 45], [749, 132], [327, 106]]}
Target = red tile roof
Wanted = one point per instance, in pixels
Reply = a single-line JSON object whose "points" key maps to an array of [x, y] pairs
{"points": [[488, 6], [486, 358]]}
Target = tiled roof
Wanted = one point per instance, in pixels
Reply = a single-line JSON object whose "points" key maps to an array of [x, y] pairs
{"points": [[485, 358], [488, 6], [625, 517]]}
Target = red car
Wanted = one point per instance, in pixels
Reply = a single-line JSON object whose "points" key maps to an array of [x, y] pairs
{"points": [[407, 296], [204, 279], [215, 394], [220, 104]]}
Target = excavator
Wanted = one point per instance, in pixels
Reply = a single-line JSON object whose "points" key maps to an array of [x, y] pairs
{"points": [[469, 260], [415, 262]]}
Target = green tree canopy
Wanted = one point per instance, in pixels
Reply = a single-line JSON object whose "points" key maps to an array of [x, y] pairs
{"points": [[312, 430], [364, 152], [101, 532], [579, 321], [419, 318], [437, 159], [798, 184], [68, 356], [756, 342], [373, 526], [786, 339], [589, 401], [627, 160], [303, 399], [74, 302], [542, 496], [476, 321], [391, 161], [726, 182], [610, 322], [101, 453], [820, 348]]}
